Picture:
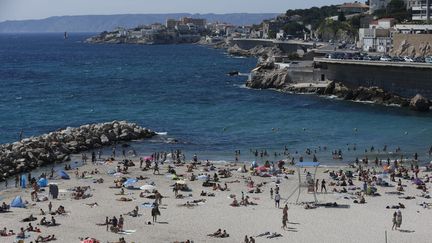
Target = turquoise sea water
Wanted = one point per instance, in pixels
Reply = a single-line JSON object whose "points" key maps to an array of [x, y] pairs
{"points": [[49, 83]]}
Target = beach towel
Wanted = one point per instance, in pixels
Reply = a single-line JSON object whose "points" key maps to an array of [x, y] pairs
{"points": [[127, 232], [147, 205]]}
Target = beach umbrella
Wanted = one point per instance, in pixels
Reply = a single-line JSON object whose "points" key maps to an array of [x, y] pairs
{"points": [[17, 202], [63, 175], [129, 182], [254, 164], [203, 177], [43, 182], [23, 181], [147, 188], [148, 158], [118, 174]]}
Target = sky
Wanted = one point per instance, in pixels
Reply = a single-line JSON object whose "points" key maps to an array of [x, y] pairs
{"points": [[38, 9]]}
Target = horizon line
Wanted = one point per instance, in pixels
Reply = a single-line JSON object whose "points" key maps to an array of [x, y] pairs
{"points": [[80, 15]]}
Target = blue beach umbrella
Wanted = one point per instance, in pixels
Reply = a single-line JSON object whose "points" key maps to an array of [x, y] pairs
{"points": [[43, 182], [129, 182]]}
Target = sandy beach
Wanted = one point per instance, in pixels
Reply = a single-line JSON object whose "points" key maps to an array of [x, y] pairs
{"points": [[368, 222]]}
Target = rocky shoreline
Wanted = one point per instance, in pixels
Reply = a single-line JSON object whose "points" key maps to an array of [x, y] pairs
{"points": [[267, 75], [33, 152]]}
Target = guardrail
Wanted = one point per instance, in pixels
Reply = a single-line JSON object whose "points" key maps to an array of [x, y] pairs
{"points": [[375, 63]]}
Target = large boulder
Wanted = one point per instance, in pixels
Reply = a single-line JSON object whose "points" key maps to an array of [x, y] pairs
{"points": [[420, 103]]}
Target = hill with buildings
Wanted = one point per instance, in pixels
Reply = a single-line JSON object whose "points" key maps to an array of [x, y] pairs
{"points": [[99, 23]]}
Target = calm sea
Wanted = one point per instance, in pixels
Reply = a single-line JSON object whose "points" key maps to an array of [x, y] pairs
{"points": [[49, 83]]}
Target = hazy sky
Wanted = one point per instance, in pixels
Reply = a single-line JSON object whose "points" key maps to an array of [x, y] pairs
{"points": [[36, 9]]}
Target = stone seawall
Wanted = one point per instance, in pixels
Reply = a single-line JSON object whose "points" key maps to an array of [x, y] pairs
{"points": [[33, 152], [406, 81]]}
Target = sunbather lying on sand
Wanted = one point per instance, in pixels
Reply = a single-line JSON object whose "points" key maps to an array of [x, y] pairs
{"points": [[274, 235], [92, 204], [45, 239], [29, 218], [124, 199], [219, 233], [208, 194]]}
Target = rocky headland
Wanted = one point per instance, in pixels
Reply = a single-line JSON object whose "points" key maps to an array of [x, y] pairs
{"points": [[33, 152]]}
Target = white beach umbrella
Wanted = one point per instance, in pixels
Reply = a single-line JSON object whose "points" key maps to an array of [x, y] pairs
{"points": [[147, 188]]}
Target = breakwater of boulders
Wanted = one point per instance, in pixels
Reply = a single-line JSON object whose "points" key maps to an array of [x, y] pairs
{"points": [[57, 146]]}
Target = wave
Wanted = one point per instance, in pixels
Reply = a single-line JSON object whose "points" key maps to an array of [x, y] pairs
{"points": [[162, 133], [242, 86]]}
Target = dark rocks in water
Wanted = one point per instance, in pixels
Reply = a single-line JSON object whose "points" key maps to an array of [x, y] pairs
{"points": [[56, 146], [329, 89], [420, 103], [233, 73]]}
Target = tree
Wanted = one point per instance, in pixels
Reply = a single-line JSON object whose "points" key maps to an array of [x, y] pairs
{"points": [[293, 28], [341, 16], [395, 9]]}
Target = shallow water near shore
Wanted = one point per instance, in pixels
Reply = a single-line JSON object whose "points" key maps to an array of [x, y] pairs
{"points": [[183, 90]]}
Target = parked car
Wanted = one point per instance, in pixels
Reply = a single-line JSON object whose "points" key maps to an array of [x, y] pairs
{"points": [[408, 59], [419, 59], [428, 59], [397, 59], [385, 58]]}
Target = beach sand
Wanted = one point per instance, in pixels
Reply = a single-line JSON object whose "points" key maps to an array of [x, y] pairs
{"points": [[359, 223]]}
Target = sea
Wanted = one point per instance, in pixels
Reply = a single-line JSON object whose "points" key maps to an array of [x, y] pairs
{"points": [[184, 93]]}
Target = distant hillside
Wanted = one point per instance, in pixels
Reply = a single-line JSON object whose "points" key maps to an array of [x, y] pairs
{"points": [[99, 23]]}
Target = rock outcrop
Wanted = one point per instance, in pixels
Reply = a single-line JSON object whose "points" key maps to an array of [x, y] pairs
{"points": [[33, 152], [258, 51], [267, 76], [365, 94], [419, 103]]}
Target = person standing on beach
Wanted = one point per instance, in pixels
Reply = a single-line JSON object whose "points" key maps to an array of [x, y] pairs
{"points": [[21, 135], [121, 223], [271, 193], [277, 200], [394, 221], [17, 180], [284, 221], [285, 211], [107, 222], [156, 168], [49, 206], [323, 186], [246, 239], [399, 219]]}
